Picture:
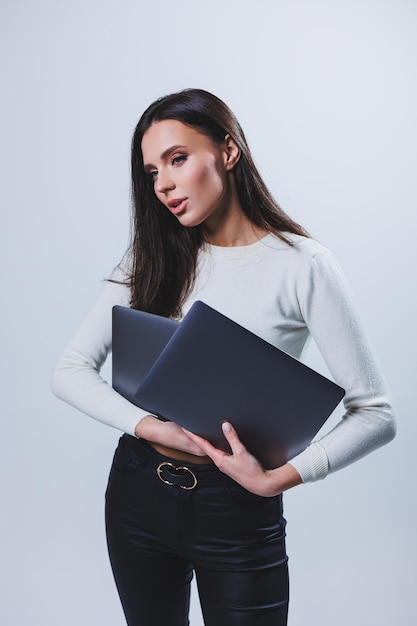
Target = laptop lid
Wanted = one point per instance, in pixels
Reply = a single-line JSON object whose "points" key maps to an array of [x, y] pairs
{"points": [[137, 341], [212, 370]]}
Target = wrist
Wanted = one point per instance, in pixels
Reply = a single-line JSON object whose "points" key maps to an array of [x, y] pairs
{"points": [[282, 478], [143, 426]]}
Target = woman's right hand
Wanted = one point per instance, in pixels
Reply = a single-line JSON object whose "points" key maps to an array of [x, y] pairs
{"points": [[167, 434]]}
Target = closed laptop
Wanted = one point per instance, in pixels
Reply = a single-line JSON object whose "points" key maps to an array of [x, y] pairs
{"points": [[210, 369]]}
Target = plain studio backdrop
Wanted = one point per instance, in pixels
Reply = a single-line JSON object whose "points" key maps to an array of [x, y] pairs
{"points": [[326, 92]]}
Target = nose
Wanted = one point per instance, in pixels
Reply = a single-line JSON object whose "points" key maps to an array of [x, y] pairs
{"points": [[164, 181]]}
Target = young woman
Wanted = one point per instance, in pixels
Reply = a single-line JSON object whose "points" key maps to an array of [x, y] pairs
{"points": [[206, 228]]}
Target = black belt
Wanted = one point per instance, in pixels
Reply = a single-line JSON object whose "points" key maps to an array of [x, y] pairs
{"points": [[173, 472]]}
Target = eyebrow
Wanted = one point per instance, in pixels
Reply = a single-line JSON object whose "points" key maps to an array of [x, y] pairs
{"points": [[164, 155]]}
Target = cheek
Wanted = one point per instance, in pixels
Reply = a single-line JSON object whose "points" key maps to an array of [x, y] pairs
{"points": [[208, 178]]}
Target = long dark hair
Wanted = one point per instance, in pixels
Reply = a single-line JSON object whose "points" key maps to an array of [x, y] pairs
{"points": [[163, 253]]}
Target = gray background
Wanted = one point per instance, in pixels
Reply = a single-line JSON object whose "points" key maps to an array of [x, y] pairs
{"points": [[326, 92]]}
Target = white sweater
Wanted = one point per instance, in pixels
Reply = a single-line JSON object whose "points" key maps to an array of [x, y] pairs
{"points": [[283, 294]]}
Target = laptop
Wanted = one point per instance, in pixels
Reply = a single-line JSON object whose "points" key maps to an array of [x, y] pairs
{"points": [[211, 369], [138, 340]]}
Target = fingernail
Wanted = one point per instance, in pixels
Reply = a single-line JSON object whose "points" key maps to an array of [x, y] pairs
{"points": [[226, 427]]}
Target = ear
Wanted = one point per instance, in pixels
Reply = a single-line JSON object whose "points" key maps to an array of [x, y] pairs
{"points": [[231, 152]]}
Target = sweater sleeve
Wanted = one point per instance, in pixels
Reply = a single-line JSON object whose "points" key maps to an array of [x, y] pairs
{"points": [[331, 315], [76, 376]]}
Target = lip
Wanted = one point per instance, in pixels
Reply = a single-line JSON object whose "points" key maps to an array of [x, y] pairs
{"points": [[177, 205]]}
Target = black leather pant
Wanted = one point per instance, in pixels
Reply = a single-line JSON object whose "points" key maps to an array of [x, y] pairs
{"points": [[158, 534]]}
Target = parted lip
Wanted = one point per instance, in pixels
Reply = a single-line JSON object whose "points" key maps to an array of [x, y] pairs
{"points": [[175, 202]]}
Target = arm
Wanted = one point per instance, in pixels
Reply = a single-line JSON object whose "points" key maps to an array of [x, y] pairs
{"points": [[331, 315], [76, 376]]}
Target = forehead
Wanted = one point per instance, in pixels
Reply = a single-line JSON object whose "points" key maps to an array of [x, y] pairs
{"points": [[168, 133]]}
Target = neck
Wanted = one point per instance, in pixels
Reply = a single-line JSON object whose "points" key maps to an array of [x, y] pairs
{"points": [[231, 227], [239, 234]]}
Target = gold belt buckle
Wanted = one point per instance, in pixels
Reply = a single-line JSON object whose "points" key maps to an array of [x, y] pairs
{"points": [[181, 467]]}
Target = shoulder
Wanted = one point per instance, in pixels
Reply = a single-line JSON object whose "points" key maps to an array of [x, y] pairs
{"points": [[123, 270], [301, 251], [115, 288], [307, 264]]}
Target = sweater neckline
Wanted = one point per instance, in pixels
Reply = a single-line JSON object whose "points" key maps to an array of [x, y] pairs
{"points": [[236, 252]]}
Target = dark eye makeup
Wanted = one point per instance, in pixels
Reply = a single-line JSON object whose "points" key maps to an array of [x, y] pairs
{"points": [[179, 159], [176, 160]]}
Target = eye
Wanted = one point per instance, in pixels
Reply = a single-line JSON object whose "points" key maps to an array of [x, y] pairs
{"points": [[153, 174], [177, 160]]}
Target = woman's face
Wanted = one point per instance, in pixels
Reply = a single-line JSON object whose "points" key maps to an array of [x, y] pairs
{"points": [[189, 171]]}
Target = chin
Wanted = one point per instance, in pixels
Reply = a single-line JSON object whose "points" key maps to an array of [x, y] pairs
{"points": [[188, 221]]}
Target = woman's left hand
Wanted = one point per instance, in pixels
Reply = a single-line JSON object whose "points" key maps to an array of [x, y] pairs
{"points": [[242, 467]]}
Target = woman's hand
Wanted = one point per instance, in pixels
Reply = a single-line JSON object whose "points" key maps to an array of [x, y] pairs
{"points": [[167, 434], [244, 468]]}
